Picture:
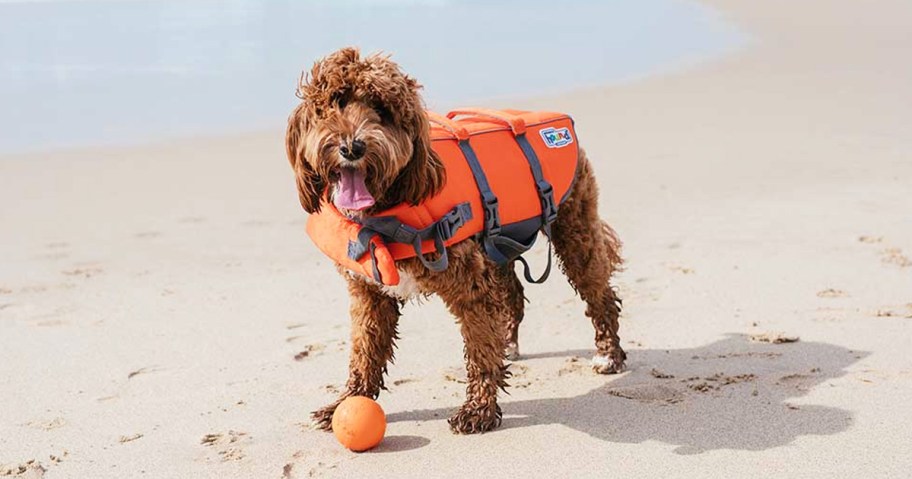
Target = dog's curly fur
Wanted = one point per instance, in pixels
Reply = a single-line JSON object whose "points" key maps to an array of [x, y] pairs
{"points": [[347, 97]]}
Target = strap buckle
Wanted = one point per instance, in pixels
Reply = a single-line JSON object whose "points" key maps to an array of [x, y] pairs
{"points": [[491, 214], [546, 196], [453, 220]]}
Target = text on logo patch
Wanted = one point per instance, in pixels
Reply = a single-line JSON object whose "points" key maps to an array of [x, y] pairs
{"points": [[556, 137]]}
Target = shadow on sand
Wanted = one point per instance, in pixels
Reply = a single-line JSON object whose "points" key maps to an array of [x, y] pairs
{"points": [[401, 443], [731, 394]]}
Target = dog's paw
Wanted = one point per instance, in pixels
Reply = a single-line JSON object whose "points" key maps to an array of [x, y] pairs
{"points": [[511, 352], [474, 419], [607, 364], [322, 418]]}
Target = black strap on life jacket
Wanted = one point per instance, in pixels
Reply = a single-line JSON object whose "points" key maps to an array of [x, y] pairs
{"points": [[491, 235], [489, 203], [545, 198], [394, 231], [500, 248]]}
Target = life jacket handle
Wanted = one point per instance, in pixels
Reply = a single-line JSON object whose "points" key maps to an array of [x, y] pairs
{"points": [[449, 125], [516, 123]]}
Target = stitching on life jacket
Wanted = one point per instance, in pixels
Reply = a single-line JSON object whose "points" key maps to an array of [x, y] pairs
{"points": [[501, 128], [425, 213]]}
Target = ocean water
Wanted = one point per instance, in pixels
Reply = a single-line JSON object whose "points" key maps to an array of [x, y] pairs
{"points": [[94, 72]]}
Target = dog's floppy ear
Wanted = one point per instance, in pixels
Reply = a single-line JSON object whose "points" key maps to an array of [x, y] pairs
{"points": [[424, 175], [426, 168], [310, 184]]}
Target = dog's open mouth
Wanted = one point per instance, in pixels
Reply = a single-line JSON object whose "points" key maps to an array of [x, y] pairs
{"points": [[351, 191]]}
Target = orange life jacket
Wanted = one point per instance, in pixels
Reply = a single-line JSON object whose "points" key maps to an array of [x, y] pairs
{"points": [[504, 170]]}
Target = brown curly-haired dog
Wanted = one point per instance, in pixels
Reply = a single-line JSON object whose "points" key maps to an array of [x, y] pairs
{"points": [[362, 117]]}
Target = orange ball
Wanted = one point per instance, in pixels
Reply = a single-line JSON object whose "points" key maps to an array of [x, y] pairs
{"points": [[359, 423]]}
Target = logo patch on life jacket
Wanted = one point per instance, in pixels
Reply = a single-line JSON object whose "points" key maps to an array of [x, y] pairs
{"points": [[556, 137]]}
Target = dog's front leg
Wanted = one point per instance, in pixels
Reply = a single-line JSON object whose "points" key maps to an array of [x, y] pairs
{"points": [[485, 372], [374, 316], [478, 297]]}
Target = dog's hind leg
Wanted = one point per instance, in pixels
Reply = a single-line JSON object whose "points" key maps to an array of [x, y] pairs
{"points": [[589, 253], [516, 305], [374, 316]]}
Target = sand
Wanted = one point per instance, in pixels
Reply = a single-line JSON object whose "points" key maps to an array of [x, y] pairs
{"points": [[163, 315]]}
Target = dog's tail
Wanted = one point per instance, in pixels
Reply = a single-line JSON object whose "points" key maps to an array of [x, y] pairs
{"points": [[613, 246]]}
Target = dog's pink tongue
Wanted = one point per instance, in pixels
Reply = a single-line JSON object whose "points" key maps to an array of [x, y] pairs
{"points": [[351, 191]]}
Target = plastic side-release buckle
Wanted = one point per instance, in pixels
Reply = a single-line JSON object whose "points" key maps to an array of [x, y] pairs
{"points": [[546, 196], [453, 220], [491, 214]]}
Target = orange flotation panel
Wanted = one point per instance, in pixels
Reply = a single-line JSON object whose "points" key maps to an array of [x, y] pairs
{"points": [[507, 171]]}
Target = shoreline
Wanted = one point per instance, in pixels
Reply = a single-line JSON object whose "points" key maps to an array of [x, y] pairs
{"points": [[676, 67], [231, 77]]}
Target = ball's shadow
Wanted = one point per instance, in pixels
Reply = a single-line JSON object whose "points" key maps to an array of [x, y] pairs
{"points": [[400, 443], [751, 399]]}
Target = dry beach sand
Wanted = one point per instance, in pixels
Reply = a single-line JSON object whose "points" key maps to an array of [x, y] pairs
{"points": [[163, 315]]}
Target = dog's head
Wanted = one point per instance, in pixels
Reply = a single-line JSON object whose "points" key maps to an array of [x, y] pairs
{"points": [[360, 137]]}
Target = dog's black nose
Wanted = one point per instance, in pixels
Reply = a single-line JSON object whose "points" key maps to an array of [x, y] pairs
{"points": [[354, 151]]}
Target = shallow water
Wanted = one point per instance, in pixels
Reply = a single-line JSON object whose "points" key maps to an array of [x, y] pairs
{"points": [[88, 72]]}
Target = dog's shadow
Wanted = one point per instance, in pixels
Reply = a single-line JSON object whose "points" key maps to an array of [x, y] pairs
{"points": [[731, 394]]}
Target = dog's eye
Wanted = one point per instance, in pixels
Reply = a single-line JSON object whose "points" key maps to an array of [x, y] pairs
{"points": [[340, 99], [385, 115]]}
